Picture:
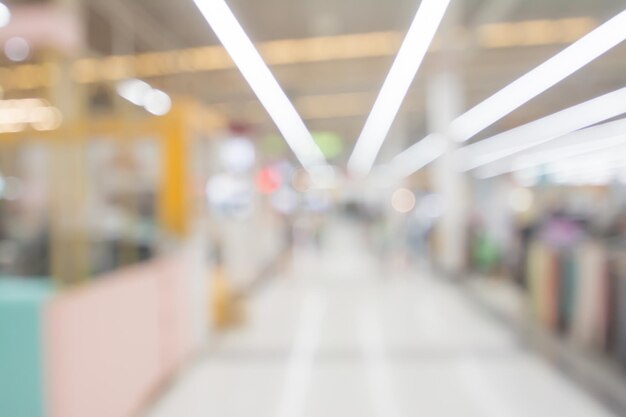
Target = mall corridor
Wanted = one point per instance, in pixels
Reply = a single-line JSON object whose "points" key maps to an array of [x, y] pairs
{"points": [[342, 335], [312, 208]]}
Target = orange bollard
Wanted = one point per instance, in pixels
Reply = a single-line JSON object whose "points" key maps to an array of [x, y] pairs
{"points": [[226, 307], [220, 299]]}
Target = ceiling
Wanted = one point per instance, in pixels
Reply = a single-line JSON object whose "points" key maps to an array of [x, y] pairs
{"points": [[280, 19], [337, 95]]}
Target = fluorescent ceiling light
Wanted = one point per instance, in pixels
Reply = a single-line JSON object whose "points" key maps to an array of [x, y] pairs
{"points": [[158, 103], [261, 80], [397, 84], [604, 162], [583, 142], [597, 169], [544, 130], [134, 90], [5, 15], [417, 156], [546, 75], [140, 93]]}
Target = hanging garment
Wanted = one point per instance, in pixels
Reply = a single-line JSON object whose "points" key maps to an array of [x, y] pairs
{"points": [[590, 316]]}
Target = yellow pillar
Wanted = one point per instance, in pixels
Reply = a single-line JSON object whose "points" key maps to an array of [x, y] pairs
{"points": [[174, 189]]}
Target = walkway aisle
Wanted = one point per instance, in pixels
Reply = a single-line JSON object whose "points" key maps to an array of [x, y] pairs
{"points": [[340, 337]]}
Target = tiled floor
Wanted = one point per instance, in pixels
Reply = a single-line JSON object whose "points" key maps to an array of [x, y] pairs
{"points": [[340, 337]]}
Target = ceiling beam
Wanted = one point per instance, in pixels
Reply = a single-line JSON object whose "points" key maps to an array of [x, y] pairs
{"points": [[494, 11], [136, 21]]}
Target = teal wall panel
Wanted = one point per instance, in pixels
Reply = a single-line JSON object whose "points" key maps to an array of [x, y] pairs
{"points": [[21, 357]]}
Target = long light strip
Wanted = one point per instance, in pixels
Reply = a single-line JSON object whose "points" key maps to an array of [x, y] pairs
{"points": [[544, 130], [417, 156], [260, 78], [571, 59], [397, 84], [583, 142], [546, 75], [598, 169]]}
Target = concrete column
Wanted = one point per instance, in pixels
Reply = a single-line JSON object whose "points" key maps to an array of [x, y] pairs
{"points": [[68, 234], [444, 103]]}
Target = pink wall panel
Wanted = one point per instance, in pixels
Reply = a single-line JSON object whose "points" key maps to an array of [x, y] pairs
{"points": [[102, 346], [175, 313]]}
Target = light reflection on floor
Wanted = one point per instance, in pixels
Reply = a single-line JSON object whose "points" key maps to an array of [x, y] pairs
{"points": [[336, 336]]}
